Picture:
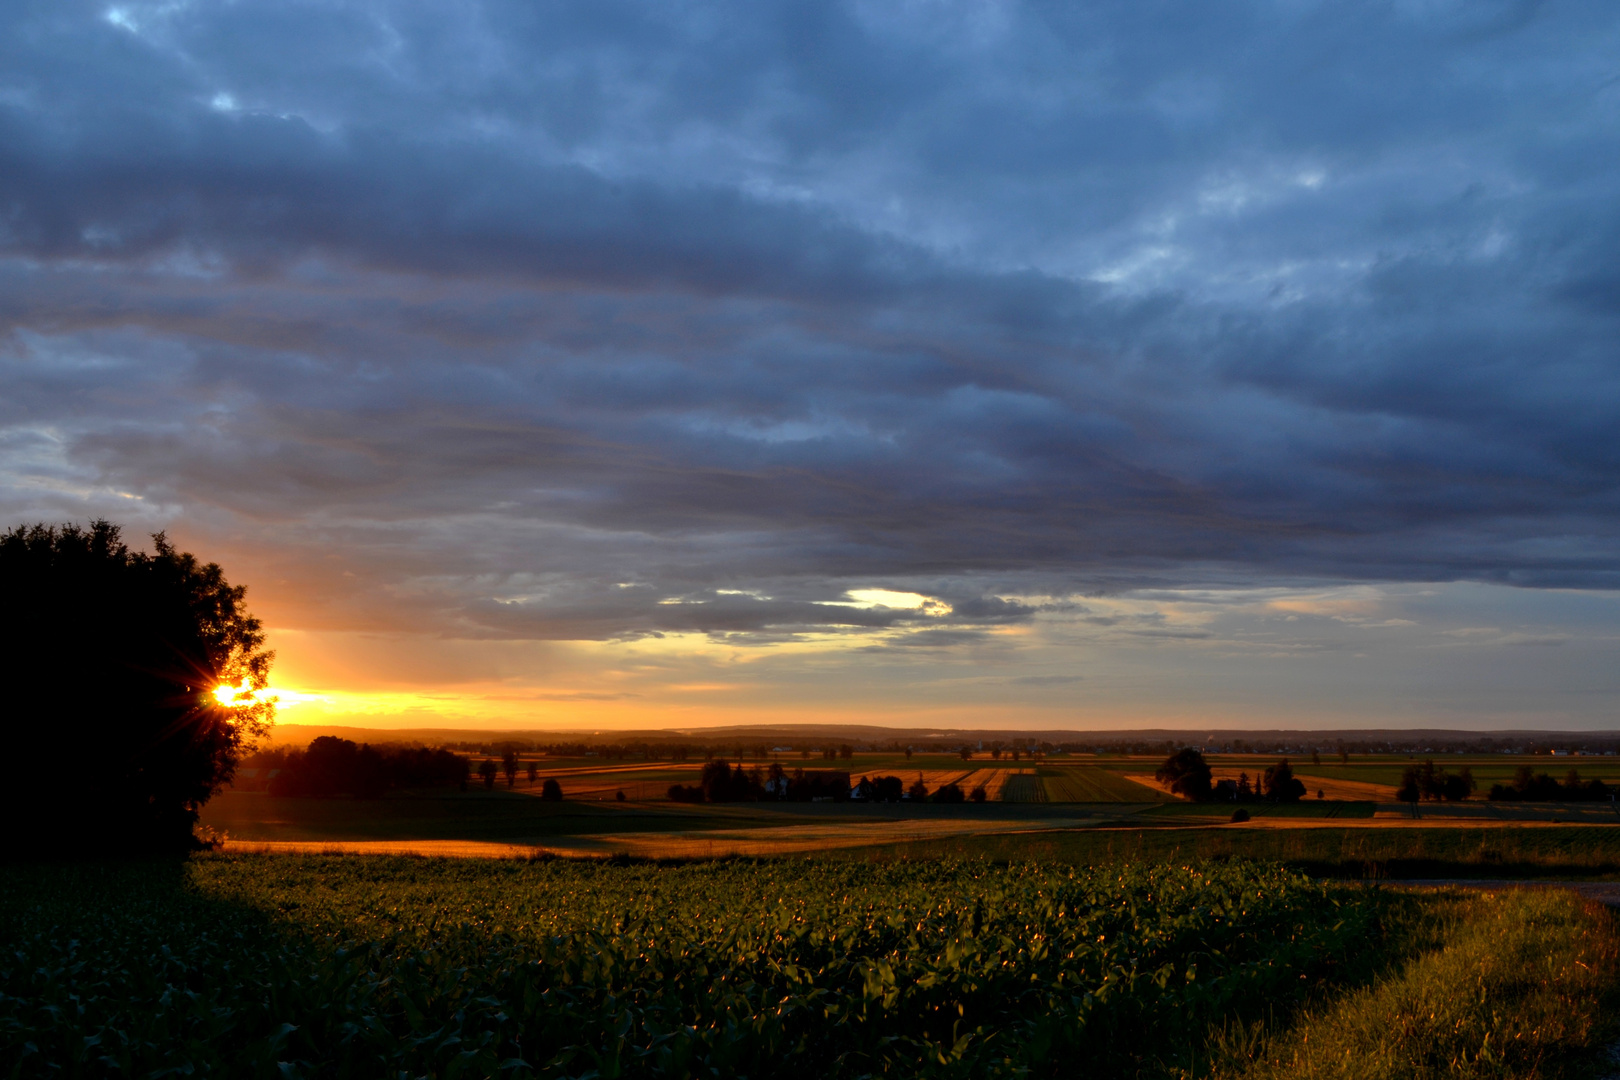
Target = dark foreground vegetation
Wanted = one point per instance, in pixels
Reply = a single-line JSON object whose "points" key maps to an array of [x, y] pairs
{"points": [[110, 659], [336, 967]]}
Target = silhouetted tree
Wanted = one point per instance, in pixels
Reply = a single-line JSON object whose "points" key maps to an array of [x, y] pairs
{"points": [[509, 765], [978, 794], [534, 773], [488, 771], [1411, 789], [122, 656], [949, 793], [1186, 773], [1280, 783], [918, 790], [551, 791]]}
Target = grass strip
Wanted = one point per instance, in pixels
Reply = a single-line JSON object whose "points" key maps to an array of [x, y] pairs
{"points": [[1518, 983]]}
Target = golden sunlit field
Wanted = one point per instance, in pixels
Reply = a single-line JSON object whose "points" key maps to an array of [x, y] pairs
{"points": [[1082, 805]]}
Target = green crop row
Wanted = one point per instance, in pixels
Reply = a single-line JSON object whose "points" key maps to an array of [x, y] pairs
{"points": [[255, 966]]}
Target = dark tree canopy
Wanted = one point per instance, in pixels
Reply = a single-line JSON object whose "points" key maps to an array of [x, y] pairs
{"points": [[112, 658], [1281, 785], [1187, 774]]}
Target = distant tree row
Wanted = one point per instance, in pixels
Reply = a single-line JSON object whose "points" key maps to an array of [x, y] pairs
{"points": [[330, 767], [1187, 774], [1429, 782], [893, 789], [1539, 787], [720, 781]]}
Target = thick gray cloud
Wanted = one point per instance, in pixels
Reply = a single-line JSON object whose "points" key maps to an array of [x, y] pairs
{"points": [[547, 321]]}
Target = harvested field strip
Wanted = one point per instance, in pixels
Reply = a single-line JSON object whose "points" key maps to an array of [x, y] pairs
{"points": [[1024, 788], [1081, 783], [1341, 790]]}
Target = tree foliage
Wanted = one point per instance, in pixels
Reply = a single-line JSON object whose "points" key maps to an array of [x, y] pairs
{"points": [[1280, 783], [112, 658], [1431, 782], [331, 767], [1187, 774]]}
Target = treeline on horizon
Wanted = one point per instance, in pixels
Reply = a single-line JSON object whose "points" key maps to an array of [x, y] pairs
{"points": [[812, 746], [1529, 786], [720, 782], [331, 767]]}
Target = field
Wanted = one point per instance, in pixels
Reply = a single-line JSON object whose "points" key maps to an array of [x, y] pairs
{"points": [[319, 966], [1323, 849], [1081, 778], [1077, 809]]}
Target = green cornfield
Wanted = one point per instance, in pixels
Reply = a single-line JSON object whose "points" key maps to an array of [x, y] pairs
{"points": [[280, 966]]}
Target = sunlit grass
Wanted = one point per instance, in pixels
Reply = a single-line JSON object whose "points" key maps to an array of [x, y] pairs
{"points": [[1502, 984]]}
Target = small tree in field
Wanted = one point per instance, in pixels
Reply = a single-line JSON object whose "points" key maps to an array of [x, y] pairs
{"points": [[551, 791], [488, 771], [1281, 785], [534, 773], [509, 766], [1187, 774]]}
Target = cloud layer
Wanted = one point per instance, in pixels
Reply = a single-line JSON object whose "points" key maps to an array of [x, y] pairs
{"points": [[546, 322]]}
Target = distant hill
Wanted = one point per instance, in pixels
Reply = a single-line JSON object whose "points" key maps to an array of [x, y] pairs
{"points": [[794, 734]]}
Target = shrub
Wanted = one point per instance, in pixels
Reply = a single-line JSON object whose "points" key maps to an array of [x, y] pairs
{"points": [[949, 793], [551, 791]]}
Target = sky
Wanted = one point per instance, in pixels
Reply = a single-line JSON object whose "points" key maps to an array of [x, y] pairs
{"points": [[635, 365]]}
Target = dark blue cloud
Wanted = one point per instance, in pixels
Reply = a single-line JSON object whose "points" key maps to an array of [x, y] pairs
{"points": [[550, 316]]}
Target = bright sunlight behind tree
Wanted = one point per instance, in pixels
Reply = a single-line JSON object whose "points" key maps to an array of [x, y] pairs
{"points": [[113, 659]]}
